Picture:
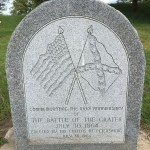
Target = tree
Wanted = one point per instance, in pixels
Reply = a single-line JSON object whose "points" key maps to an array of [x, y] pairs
{"points": [[134, 5], [133, 2], [21, 7], [146, 0], [2, 5], [37, 2], [24, 6]]}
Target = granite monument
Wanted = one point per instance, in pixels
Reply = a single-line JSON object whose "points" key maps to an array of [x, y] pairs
{"points": [[75, 71]]}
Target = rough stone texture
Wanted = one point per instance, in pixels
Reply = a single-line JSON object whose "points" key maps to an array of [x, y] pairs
{"points": [[53, 10], [143, 141], [10, 136]]}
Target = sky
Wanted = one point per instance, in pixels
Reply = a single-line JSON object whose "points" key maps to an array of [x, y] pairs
{"points": [[9, 5]]}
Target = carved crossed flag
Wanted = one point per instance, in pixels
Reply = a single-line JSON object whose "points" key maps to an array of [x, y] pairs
{"points": [[55, 66], [96, 60]]}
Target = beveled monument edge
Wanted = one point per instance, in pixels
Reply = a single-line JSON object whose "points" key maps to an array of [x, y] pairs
{"points": [[92, 9]]}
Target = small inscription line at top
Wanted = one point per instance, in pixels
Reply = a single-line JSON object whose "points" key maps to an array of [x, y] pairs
{"points": [[37, 109]]}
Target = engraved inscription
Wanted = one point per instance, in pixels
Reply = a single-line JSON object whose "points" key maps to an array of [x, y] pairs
{"points": [[75, 75]]}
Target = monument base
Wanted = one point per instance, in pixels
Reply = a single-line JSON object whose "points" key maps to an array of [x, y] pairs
{"points": [[11, 141]]}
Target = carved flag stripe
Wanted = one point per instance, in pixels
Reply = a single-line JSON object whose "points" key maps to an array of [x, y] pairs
{"points": [[61, 79], [39, 64], [57, 74], [55, 66], [47, 75]]}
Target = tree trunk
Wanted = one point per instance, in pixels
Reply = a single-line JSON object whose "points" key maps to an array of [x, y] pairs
{"points": [[134, 5]]}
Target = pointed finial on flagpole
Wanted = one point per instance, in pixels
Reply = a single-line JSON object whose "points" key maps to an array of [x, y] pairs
{"points": [[90, 29], [60, 30]]}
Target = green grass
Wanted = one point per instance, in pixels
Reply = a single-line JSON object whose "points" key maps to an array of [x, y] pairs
{"points": [[2, 141], [7, 26], [145, 118], [140, 20]]}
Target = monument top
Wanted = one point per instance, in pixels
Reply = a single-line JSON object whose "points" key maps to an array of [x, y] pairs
{"points": [[75, 70]]}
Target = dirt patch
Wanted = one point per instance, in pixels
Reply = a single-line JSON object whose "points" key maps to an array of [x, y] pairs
{"points": [[4, 126], [144, 141]]}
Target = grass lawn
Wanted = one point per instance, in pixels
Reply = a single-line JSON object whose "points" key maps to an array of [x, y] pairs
{"points": [[140, 20], [6, 28]]}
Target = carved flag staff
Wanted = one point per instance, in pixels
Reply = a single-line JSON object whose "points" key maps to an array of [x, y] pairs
{"points": [[100, 63], [55, 66]]}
